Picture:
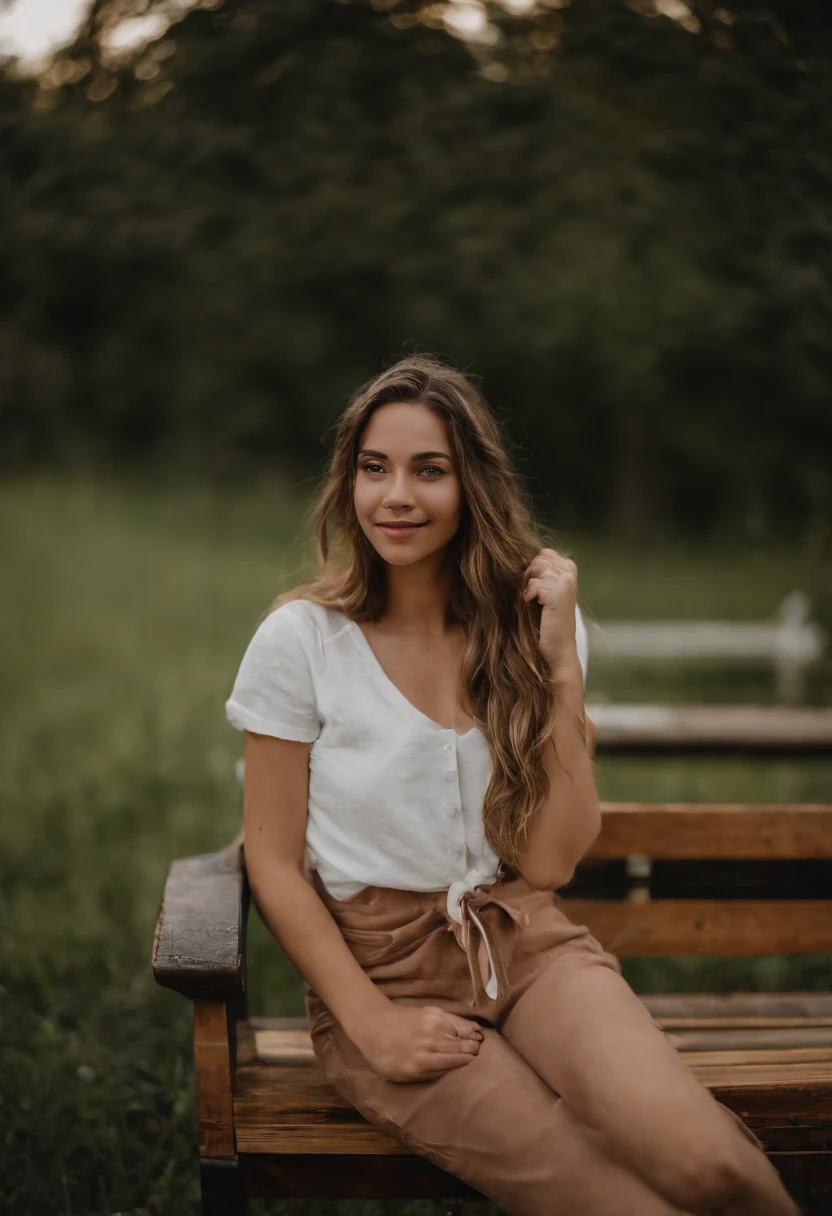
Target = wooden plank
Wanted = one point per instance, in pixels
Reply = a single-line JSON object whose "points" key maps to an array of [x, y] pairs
{"points": [[293, 1109], [749, 1056], [747, 1038], [212, 1064], [285, 1041], [199, 946], [784, 1024], [759, 1094], [693, 926], [272, 1047], [699, 1009], [761, 1075], [757, 728], [752, 831], [735, 1005], [284, 1046]]}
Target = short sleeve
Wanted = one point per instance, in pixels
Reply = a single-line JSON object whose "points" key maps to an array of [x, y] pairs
{"points": [[582, 641], [274, 692]]}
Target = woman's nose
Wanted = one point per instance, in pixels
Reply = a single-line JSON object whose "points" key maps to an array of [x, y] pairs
{"points": [[399, 491]]}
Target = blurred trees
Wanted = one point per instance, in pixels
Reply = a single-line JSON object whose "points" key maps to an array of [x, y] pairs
{"points": [[620, 220]]}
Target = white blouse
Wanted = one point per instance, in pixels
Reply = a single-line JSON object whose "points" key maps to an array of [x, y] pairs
{"points": [[395, 799]]}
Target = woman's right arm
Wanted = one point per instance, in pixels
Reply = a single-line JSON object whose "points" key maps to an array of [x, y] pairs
{"points": [[401, 1043]]}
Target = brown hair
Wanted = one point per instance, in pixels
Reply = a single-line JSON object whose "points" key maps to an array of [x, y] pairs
{"points": [[504, 678]]}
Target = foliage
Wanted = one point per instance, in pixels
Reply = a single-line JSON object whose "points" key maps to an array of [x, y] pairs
{"points": [[620, 222]]}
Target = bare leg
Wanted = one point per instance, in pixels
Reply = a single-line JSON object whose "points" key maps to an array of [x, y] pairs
{"points": [[590, 1039]]}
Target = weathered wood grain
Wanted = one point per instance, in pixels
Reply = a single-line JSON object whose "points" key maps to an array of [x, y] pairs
{"points": [[808, 1038], [714, 830], [314, 1122], [293, 1109], [212, 1065], [737, 1025], [737, 1005], [199, 946], [766, 1056], [693, 926]]}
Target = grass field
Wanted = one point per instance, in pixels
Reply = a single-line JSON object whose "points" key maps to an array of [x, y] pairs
{"points": [[125, 612]]}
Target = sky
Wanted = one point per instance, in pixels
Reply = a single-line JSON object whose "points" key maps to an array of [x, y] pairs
{"points": [[33, 28]]}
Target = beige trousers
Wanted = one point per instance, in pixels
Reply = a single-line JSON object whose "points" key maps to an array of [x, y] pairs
{"points": [[575, 1105]]}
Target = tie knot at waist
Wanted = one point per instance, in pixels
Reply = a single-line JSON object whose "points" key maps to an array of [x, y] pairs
{"points": [[464, 899]]}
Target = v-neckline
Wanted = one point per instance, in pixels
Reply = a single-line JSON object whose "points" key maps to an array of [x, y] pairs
{"points": [[403, 701]]}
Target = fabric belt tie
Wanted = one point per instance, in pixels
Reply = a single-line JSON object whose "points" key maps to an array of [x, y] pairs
{"points": [[463, 897]]}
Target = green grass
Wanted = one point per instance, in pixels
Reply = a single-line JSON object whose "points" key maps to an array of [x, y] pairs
{"points": [[125, 612]]}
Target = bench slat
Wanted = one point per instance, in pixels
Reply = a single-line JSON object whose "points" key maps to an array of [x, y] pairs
{"points": [[713, 1055], [705, 926], [767, 1096], [742, 831], [784, 1094], [294, 1047], [730, 1005], [286, 1040]]}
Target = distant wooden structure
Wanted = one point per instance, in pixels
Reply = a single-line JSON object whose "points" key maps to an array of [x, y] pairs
{"points": [[754, 729], [791, 641]]}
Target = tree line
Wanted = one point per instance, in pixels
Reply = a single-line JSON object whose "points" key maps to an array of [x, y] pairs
{"points": [[619, 220]]}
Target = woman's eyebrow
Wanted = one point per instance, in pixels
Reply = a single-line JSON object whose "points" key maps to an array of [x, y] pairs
{"points": [[417, 456]]}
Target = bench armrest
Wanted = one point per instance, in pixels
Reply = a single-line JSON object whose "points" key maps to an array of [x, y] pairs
{"points": [[199, 948]]}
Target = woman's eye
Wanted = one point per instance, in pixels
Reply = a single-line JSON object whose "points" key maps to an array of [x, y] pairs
{"points": [[370, 466], [434, 467]]}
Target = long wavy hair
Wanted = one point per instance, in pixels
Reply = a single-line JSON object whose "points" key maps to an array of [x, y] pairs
{"points": [[505, 680]]}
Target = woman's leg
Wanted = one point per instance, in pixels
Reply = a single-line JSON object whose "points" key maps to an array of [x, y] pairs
{"points": [[590, 1039], [497, 1126]]}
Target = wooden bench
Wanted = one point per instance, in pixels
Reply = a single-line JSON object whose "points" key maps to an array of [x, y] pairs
{"points": [[660, 880]]}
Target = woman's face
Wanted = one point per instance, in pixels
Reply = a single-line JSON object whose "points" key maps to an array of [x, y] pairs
{"points": [[406, 475]]}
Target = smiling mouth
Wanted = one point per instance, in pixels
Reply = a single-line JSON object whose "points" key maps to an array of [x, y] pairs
{"points": [[402, 524]]}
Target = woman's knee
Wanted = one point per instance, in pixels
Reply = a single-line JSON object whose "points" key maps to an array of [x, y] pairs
{"points": [[704, 1182]]}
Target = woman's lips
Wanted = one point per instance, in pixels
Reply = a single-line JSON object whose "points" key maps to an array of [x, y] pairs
{"points": [[400, 531]]}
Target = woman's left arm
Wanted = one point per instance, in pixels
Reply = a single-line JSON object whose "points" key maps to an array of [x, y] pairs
{"points": [[569, 820]]}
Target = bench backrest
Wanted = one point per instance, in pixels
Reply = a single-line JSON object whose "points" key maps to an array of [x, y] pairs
{"points": [[708, 878]]}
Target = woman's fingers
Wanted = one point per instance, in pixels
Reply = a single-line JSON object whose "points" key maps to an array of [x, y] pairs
{"points": [[453, 1045], [465, 1028], [549, 561]]}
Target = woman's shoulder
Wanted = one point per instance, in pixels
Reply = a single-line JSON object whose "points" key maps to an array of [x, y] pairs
{"points": [[312, 621]]}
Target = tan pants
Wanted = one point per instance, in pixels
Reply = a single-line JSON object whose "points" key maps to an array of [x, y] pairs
{"points": [[575, 1105]]}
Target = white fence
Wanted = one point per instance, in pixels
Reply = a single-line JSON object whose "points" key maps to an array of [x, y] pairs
{"points": [[791, 641]]}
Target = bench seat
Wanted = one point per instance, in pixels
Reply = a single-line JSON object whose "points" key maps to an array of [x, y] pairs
{"points": [[766, 1056]]}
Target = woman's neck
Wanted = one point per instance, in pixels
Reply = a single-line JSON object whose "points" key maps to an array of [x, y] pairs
{"points": [[417, 599]]}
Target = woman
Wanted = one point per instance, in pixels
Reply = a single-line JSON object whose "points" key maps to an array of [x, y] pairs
{"points": [[418, 782]]}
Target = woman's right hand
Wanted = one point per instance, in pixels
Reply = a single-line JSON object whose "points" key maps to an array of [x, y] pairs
{"points": [[406, 1043]]}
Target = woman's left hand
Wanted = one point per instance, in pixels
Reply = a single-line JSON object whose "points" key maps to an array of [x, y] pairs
{"points": [[553, 581]]}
